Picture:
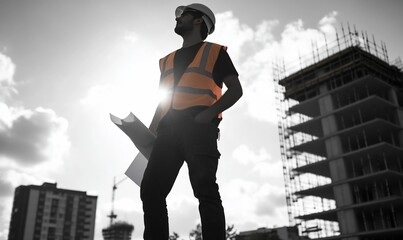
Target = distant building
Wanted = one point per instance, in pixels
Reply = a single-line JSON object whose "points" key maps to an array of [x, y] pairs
{"points": [[281, 233], [46, 212], [342, 142], [118, 231]]}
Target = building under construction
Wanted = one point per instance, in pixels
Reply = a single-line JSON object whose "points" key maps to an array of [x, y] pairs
{"points": [[118, 231], [340, 127]]}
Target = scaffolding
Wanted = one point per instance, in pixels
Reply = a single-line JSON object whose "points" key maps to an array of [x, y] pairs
{"points": [[336, 109]]}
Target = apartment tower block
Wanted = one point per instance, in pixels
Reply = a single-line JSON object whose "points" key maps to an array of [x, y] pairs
{"points": [[47, 212]]}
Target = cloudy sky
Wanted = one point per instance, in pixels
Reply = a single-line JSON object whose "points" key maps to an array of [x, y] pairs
{"points": [[65, 65]]}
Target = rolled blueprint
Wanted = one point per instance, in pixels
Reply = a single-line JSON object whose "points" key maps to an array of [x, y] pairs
{"points": [[142, 138]]}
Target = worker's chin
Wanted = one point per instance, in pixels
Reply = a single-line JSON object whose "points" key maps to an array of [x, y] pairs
{"points": [[178, 30], [181, 30]]}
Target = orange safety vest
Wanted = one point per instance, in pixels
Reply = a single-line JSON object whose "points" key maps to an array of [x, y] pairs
{"points": [[196, 87]]}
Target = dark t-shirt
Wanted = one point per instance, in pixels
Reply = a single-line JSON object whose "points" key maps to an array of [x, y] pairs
{"points": [[223, 68]]}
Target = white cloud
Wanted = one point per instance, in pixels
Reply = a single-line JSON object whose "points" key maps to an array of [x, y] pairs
{"points": [[5, 213], [6, 117], [271, 171], [6, 188], [31, 137], [250, 204], [326, 24], [268, 190], [7, 70], [264, 30], [102, 95], [183, 213], [17, 177], [299, 45], [176, 202], [246, 156], [229, 31], [131, 37], [124, 205]]}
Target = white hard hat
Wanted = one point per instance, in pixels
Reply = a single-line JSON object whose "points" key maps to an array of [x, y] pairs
{"points": [[208, 15]]}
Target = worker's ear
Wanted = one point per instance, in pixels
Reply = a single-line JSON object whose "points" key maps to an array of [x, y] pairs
{"points": [[198, 20]]}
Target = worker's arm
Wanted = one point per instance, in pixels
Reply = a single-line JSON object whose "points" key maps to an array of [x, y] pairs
{"points": [[157, 115], [156, 120], [230, 97]]}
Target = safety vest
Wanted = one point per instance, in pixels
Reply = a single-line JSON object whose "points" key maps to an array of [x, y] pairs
{"points": [[196, 87]]}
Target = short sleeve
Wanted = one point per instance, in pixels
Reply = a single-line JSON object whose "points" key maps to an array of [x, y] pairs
{"points": [[223, 67]]}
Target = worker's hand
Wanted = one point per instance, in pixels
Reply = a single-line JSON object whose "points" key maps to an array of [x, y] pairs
{"points": [[205, 116]]}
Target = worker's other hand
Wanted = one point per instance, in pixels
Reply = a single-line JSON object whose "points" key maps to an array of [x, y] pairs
{"points": [[205, 116]]}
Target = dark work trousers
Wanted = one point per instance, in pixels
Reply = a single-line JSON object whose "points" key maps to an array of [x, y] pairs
{"points": [[183, 139]]}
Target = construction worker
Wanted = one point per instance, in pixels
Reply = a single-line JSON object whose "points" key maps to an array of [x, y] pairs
{"points": [[186, 124]]}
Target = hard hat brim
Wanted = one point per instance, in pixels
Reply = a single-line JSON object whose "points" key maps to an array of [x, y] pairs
{"points": [[179, 10], [209, 23]]}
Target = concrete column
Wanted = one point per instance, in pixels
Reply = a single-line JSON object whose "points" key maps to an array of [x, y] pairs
{"points": [[392, 95], [400, 123], [329, 126], [338, 171], [343, 196], [325, 104], [347, 223]]}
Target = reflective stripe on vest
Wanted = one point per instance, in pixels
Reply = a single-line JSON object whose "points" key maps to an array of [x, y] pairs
{"points": [[196, 87]]}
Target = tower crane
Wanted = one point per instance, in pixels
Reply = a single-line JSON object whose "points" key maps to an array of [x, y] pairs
{"points": [[112, 215]]}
